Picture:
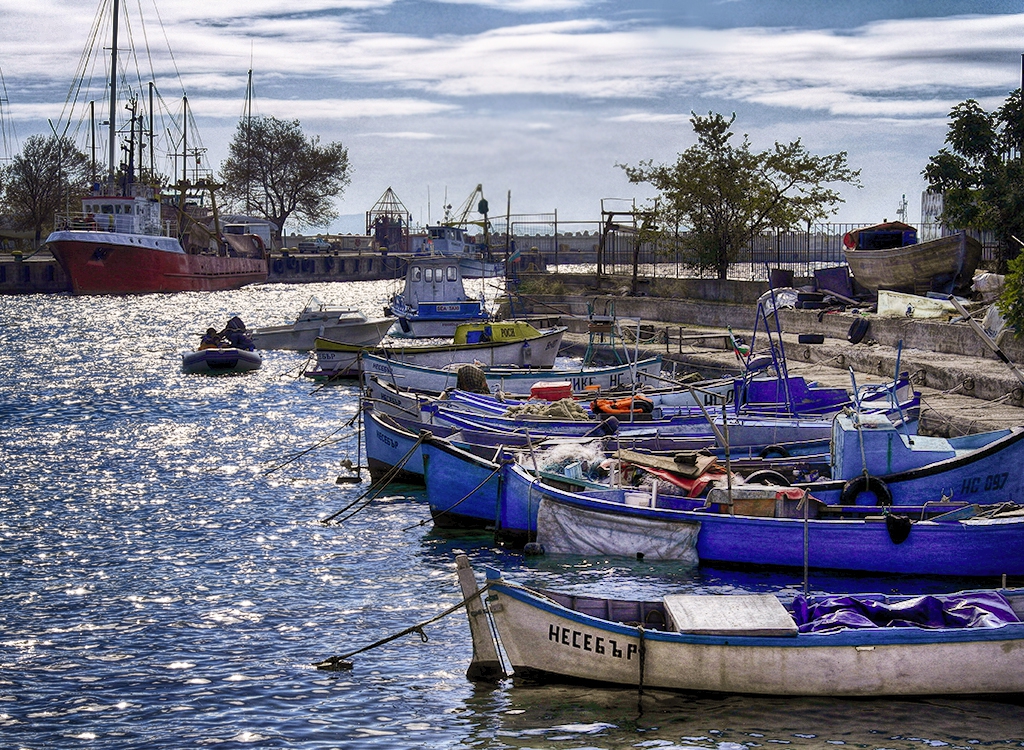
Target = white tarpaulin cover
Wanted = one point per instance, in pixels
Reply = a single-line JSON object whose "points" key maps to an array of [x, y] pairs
{"points": [[567, 530]]}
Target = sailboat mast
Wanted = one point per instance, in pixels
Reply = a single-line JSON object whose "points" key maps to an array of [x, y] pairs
{"points": [[184, 139], [248, 144], [113, 96]]}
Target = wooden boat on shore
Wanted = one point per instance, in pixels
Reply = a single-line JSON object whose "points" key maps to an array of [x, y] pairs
{"points": [[872, 645], [888, 256]]}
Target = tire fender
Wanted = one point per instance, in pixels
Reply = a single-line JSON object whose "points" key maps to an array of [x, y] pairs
{"points": [[865, 483]]}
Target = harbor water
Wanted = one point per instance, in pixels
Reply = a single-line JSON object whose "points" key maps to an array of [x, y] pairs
{"points": [[167, 581]]}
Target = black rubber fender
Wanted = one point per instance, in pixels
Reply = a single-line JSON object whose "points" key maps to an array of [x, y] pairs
{"points": [[773, 451], [865, 483], [858, 329], [767, 476]]}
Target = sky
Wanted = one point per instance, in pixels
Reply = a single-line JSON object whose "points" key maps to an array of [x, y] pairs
{"points": [[538, 101]]}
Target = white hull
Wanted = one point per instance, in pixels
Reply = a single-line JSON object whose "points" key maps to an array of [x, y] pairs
{"points": [[433, 380], [539, 352], [542, 638], [302, 335]]}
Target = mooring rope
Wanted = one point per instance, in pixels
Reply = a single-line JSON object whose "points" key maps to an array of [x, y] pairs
{"points": [[464, 498], [377, 487], [318, 444], [338, 663]]}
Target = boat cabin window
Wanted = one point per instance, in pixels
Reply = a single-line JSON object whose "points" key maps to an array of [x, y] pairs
{"points": [[416, 273], [108, 208], [428, 274], [451, 271]]}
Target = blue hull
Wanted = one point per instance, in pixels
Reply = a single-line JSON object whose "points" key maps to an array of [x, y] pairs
{"points": [[462, 489], [979, 547]]}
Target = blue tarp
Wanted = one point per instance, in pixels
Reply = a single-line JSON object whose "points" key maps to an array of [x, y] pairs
{"points": [[975, 610]]}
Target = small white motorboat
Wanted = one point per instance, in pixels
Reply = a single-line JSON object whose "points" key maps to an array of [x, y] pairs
{"points": [[319, 320]]}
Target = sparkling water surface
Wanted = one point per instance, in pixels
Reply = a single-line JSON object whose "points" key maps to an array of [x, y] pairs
{"points": [[165, 580]]}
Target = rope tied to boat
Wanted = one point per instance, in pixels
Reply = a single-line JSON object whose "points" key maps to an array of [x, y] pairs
{"points": [[374, 490], [326, 440], [465, 497], [341, 662]]}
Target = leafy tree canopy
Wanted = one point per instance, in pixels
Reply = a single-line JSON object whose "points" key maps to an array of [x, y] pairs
{"points": [[724, 192], [274, 171], [981, 178], [979, 172], [49, 175]]}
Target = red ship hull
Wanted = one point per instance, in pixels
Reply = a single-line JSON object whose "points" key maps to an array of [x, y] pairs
{"points": [[102, 263]]}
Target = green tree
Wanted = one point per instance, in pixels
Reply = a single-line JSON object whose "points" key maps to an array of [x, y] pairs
{"points": [[50, 174], [979, 174], [274, 171], [724, 193]]}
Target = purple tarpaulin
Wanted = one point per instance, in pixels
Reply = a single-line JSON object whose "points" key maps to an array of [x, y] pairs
{"points": [[979, 610]]}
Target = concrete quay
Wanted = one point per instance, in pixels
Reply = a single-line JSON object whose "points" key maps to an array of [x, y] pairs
{"points": [[965, 388]]}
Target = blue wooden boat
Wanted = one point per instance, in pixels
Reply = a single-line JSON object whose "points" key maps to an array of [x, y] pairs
{"points": [[849, 645], [762, 526], [752, 525], [392, 447], [876, 464]]}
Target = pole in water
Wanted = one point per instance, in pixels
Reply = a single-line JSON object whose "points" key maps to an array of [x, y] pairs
{"points": [[485, 666]]}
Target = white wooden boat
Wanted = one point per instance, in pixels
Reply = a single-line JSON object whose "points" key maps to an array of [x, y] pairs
{"points": [[512, 381], [317, 319], [528, 348], [434, 301], [872, 645]]}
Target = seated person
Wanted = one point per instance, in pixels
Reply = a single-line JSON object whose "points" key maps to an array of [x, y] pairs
{"points": [[211, 339]]}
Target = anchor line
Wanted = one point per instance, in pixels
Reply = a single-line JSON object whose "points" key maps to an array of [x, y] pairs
{"points": [[337, 662]]}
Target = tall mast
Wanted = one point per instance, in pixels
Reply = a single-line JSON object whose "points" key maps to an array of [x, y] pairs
{"points": [[113, 97], [152, 163], [184, 139], [248, 145]]}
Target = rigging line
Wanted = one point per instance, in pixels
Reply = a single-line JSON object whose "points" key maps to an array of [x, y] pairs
{"points": [[76, 85], [170, 52]]}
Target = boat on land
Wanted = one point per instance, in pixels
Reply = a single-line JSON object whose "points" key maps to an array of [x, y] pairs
{"points": [[514, 381], [864, 645], [129, 238], [434, 301], [318, 320], [487, 345], [888, 256]]}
